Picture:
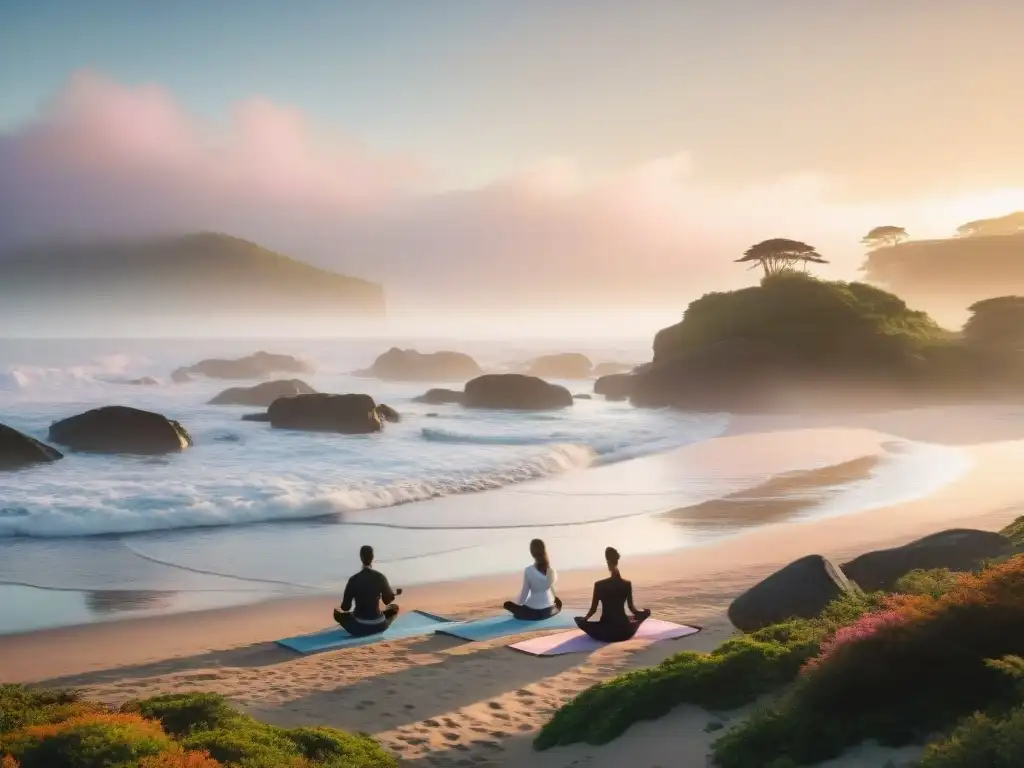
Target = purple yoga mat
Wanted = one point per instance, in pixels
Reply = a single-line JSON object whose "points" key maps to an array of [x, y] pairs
{"points": [[575, 641]]}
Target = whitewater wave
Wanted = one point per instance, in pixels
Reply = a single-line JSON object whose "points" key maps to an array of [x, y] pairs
{"points": [[151, 505], [102, 371]]}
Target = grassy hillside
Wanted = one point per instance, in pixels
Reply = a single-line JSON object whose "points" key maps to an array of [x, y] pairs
{"points": [[202, 272]]}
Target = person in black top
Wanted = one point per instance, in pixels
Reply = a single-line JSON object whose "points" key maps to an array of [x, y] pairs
{"points": [[614, 594], [367, 589]]}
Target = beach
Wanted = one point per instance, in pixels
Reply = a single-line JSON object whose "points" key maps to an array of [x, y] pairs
{"points": [[442, 701]]}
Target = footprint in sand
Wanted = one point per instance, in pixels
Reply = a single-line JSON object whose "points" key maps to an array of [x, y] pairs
{"points": [[525, 694], [451, 736], [495, 705], [432, 723]]}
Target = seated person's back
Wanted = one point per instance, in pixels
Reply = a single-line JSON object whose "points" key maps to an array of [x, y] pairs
{"points": [[366, 589], [613, 593]]}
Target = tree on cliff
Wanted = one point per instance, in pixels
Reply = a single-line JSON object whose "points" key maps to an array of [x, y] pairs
{"points": [[780, 255], [885, 235]]}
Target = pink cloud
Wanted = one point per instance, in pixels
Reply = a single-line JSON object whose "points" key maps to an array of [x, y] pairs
{"points": [[106, 159]]}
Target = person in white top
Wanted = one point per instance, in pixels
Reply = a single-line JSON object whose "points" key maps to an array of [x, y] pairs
{"points": [[537, 599]]}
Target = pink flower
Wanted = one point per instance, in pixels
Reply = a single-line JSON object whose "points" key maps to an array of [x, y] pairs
{"points": [[865, 626]]}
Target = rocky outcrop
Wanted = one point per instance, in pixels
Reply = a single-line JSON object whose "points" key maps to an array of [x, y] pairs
{"points": [[582, 396], [610, 369], [120, 429], [802, 589], [264, 416], [958, 549], [440, 397], [388, 414], [255, 366], [145, 381], [262, 395], [616, 386], [570, 365], [18, 450], [409, 365], [513, 391], [350, 414]]}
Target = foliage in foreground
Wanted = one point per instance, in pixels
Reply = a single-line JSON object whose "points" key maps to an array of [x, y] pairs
{"points": [[195, 730], [736, 673], [901, 682]]}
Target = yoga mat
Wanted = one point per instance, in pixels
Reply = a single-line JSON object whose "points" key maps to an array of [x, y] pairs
{"points": [[578, 642], [409, 624], [505, 626]]}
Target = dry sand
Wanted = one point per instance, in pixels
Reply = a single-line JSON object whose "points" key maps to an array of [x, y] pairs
{"points": [[440, 701]]}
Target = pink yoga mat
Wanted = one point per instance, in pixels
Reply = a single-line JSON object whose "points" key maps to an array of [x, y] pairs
{"points": [[576, 641]]}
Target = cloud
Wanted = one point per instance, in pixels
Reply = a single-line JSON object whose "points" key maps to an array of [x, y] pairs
{"points": [[103, 159]]}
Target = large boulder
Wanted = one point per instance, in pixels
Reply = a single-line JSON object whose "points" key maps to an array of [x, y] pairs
{"points": [[255, 366], [262, 394], [120, 429], [350, 414], [18, 450], [440, 397], [409, 365], [615, 386], [802, 589], [958, 549], [570, 365], [514, 391]]}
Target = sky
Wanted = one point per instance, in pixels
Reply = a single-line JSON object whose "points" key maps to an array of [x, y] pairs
{"points": [[492, 151]]}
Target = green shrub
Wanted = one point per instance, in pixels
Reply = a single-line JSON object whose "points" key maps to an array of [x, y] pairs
{"points": [[900, 682], [253, 744], [88, 741], [740, 670], [1015, 533], [934, 582], [21, 707], [981, 740], [182, 713]]}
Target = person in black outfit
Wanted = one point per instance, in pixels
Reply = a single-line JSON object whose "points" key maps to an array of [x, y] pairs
{"points": [[614, 594], [367, 589]]}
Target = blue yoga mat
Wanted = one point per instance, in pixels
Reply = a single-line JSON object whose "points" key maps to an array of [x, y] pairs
{"points": [[506, 626], [409, 624]]}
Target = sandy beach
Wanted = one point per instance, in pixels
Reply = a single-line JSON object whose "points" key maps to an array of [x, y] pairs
{"points": [[441, 701]]}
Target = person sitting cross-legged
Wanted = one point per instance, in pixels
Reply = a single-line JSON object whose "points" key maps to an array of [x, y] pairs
{"points": [[614, 594], [367, 590]]}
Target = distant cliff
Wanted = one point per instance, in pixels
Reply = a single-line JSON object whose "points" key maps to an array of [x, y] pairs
{"points": [[940, 275], [205, 273]]}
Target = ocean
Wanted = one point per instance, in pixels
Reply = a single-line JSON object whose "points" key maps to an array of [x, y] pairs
{"points": [[250, 513]]}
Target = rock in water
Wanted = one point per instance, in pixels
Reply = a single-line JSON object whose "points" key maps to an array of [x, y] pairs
{"points": [[264, 416], [389, 414], [571, 365], [18, 450], [514, 391], [145, 381], [802, 589], [409, 365], [120, 429], [262, 394], [615, 386], [440, 397], [254, 366], [959, 549], [347, 414]]}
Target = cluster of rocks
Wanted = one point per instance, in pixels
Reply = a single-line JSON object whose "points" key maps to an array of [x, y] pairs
{"points": [[806, 586], [289, 404]]}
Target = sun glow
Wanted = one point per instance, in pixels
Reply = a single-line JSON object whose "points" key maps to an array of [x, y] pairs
{"points": [[979, 205]]}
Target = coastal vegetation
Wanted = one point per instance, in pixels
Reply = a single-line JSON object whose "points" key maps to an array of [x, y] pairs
{"points": [[44, 729], [937, 659], [796, 340]]}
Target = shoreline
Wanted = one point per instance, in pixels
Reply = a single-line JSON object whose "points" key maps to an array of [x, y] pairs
{"points": [[761, 486], [42, 654]]}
